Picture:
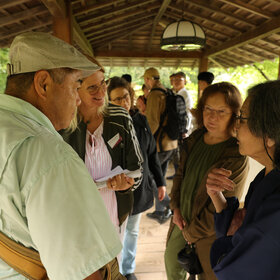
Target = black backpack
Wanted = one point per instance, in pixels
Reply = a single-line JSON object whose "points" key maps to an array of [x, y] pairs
{"points": [[175, 112]]}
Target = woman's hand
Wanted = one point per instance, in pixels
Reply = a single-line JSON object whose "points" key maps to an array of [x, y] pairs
{"points": [[178, 219], [161, 192], [236, 221], [120, 182], [218, 181]]}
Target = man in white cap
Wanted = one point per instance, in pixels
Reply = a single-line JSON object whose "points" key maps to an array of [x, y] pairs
{"points": [[48, 200]]}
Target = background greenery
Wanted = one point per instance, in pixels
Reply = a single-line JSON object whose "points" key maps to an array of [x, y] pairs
{"points": [[243, 77]]}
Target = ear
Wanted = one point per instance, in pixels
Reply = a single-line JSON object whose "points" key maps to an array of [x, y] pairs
{"points": [[270, 142], [42, 82]]}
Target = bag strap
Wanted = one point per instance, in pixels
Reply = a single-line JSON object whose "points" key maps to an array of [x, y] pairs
{"points": [[24, 260]]}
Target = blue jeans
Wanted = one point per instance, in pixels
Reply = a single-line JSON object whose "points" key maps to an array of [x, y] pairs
{"points": [[164, 158], [127, 264]]}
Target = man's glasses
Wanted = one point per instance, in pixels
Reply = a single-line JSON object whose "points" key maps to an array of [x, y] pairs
{"points": [[95, 88]]}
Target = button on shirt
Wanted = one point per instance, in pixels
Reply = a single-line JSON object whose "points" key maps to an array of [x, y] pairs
{"points": [[99, 163], [48, 200]]}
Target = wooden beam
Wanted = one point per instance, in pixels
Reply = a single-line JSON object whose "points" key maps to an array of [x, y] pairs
{"points": [[117, 26], [217, 63], [264, 30], [59, 9], [93, 7], [27, 14], [117, 31], [135, 14], [249, 8], [208, 6], [4, 4], [27, 27], [203, 64], [119, 36], [161, 11], [201, 17], [147, 54], [123, 9]]}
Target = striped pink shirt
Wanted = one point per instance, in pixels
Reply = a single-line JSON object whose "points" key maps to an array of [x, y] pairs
{"points": [[99, 163]]}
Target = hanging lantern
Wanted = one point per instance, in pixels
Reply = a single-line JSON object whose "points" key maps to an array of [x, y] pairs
{"points": [[182, 35]]}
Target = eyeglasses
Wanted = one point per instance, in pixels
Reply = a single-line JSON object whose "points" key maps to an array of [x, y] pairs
{"points": [[220, 113], [119, 100], [95, 88], [240, 119]]}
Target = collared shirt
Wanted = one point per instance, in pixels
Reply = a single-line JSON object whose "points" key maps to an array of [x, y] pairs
{"points": [[48, 200], [99, 163]]}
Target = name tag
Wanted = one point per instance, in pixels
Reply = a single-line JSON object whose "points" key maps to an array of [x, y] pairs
{"points": [[115, 140]]}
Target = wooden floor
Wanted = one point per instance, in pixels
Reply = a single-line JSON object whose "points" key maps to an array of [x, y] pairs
{"points": [[151, 246]]}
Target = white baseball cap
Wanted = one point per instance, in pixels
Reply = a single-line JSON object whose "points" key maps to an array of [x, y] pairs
{"points": [[34, 51]]}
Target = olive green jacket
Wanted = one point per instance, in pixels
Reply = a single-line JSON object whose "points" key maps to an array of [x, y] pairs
{"points": [[202, 219]]}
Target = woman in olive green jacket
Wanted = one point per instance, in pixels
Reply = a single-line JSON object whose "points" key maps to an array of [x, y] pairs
{"points": [[210, 146]]}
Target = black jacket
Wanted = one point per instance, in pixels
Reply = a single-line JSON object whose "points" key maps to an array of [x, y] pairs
{"points": [[126, 154], [143, 195]]}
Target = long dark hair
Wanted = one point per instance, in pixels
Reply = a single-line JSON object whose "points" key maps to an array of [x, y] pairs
{"points": [[264, 114]]}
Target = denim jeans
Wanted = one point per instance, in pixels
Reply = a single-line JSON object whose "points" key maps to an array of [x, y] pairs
{"points": [[164, 158], [127, 264]]}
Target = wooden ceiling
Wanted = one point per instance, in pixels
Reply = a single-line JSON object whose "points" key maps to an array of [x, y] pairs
{"points": [[128, 32]]}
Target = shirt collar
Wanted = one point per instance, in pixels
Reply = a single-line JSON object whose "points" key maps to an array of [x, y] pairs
{"points": [[19, 106]]}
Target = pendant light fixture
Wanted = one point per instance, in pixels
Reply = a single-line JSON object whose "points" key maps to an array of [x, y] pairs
{"points": [[182, 35]]}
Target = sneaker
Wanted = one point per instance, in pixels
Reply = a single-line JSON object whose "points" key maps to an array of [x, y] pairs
{"points": [[166, 216], [130, 276], [156, 215]]}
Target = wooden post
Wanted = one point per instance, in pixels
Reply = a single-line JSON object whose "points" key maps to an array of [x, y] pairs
{"points": [[62, 26], [203, 66], [278, 77]]}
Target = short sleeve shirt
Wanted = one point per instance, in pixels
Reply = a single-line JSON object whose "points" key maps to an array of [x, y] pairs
{"points": [[48, 201]]}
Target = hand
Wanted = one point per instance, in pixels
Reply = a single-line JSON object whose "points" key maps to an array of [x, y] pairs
{"points": [[120, 182], [161, 192], [236, 221], [218, 181], [178, 219]]}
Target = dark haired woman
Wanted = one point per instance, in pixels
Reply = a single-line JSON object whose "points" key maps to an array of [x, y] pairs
{"points": [[120, 94], [248, 246], [210, 146]]}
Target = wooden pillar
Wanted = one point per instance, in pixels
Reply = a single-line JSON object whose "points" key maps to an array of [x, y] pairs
{"points": [[278, 77], [62, 26], [203, 66]]}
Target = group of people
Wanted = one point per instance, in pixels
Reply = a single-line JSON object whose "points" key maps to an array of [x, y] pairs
{"points": [[73, 211]]}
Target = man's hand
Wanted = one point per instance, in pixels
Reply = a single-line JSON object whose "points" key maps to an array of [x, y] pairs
{"points": [[94, 276], [178, 219], [161, 192], [120, 182]]}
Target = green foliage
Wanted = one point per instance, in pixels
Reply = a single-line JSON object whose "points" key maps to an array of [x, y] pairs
{"points": [[4, 54]]}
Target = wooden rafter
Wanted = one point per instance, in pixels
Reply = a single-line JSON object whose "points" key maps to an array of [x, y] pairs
{"points": [[248, 7], [90, 8], [4, 4], [119, 36], [214, 21], [119, 10], [119, 24], [160, 13], [57, 8], [153, 54], [207, 5], [262, 31], [17, 17]]}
